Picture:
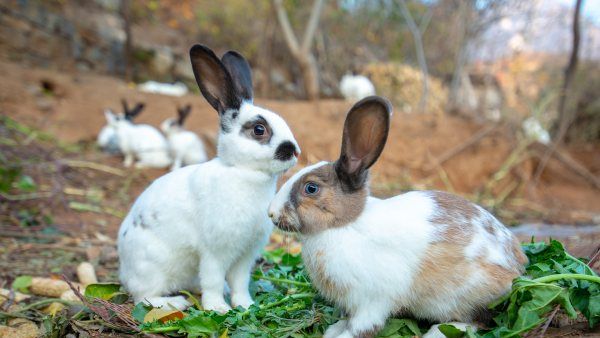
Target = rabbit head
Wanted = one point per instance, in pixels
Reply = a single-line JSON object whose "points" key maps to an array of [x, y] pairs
{"points": [[327, 195], [249, 136], [172, 125]]}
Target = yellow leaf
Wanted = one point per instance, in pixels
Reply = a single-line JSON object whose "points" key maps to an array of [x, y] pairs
{"points": [[162, 315], [224, 334], [53, 308]]}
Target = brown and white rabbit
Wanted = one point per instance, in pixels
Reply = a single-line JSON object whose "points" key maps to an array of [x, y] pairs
{"points": [[429, 254]]}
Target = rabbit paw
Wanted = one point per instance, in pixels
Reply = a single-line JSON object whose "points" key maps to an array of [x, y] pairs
{"points": [[242, 299], [336, 329], [217, 306], [178, 302]]}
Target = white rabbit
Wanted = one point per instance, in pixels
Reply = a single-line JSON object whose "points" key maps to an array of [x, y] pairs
{"points": [[107, 138], [427, 253], [185, 146], [356, 87], [203, 224], [141, 142]]}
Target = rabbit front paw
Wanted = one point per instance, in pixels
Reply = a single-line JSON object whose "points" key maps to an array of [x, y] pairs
{"points": [[336, 329], [216, 305], [241, 299]]}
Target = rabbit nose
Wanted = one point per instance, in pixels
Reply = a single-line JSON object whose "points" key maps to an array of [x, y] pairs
{"points": [[285, 151]]}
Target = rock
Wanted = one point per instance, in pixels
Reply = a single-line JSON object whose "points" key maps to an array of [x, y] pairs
{"points": [[44, 103], [163, 60], [19, 328], [183, 68]]}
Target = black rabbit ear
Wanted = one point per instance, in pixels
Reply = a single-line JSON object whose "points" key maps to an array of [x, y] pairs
{"points": [[130, 115], [125, 106], [214, 80], [365, 134], [183, 113], [240, 72]]}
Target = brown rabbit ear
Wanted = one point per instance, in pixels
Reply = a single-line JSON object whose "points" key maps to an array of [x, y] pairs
{"points": [[214, 79], [365, 133], [183, 113]]}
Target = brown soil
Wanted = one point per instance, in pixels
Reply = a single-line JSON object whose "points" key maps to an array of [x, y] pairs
{"points": [[73, 112]]}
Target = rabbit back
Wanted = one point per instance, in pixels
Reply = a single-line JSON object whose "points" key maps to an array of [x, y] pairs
{"points": [[433, 254], [187, 146]]}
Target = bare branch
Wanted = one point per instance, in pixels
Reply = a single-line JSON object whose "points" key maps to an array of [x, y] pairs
{"points": [[313, 23], [425, 20], [416, 33], [288, 32]]}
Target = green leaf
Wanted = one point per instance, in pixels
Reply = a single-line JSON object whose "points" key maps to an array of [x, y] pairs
{"points": [[106, 291], [139, 311], [26, 184], [195, 326], [22, 284], [451, 331], [8, 175]]}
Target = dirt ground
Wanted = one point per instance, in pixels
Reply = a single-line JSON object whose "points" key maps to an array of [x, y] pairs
{"points": [[70, 106], [72, 111]]}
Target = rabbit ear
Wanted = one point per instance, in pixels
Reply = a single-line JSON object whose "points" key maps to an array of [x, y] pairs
{"points": [[125, 106], [110, 116], [365, 133], [240, 72], [135, 111], [183, 113], [214, 79]]}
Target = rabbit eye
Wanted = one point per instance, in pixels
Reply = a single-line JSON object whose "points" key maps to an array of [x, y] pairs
{"points": [[311, 188], [259, 130]]}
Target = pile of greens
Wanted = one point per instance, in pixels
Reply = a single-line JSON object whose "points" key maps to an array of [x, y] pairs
{"points": [[288, 306]]}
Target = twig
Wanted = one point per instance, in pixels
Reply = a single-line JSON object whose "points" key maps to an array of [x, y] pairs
{"points": [[122, 312], [594, 257], [94, 166], [571, 163], [550, 317], [514, 158], [78, 206], [25, 197], [42, 246], [462, 147], [16, 234], [445, 179]]}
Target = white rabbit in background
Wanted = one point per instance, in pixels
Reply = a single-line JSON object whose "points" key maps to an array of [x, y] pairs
{"points": [[185, 146], [356, 87], [107, 138], [429, 254], [204, 224], [141, 142]]}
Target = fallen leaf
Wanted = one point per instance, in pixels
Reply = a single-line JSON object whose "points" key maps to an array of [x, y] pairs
{"points": [[53, 308], [163, 315]]}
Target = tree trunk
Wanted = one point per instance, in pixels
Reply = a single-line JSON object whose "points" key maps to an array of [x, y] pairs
{"points": [[461, 57], [127, 49], [416, 33], [310, 75], [565, 115], [302, 52]]}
